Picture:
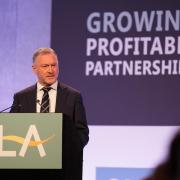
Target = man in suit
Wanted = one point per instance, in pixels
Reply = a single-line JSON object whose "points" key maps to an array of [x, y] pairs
{"points": [[61, 98]]}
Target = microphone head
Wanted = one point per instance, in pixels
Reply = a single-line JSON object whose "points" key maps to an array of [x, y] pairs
{"points": [[38, 101]]}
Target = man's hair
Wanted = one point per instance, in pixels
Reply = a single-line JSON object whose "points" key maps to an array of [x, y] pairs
{"points": [[42, 51]]}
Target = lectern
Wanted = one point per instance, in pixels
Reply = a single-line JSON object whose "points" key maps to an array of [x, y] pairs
{"points": [[39, 145]]}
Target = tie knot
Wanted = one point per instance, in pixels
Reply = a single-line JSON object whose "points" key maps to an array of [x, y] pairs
{"points": [[46, 89]]}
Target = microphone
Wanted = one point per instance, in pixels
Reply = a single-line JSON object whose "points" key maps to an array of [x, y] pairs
{"points": [[38, 101], [41, 105], [13, 106]]}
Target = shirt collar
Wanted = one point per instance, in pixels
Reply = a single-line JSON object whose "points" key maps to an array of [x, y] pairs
{"points": [[53, 86]]}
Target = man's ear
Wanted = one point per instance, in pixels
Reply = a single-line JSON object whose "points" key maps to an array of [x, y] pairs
{"points": [[34, 68]]}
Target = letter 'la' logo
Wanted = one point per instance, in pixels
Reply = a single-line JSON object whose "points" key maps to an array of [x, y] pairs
{"points": [[26, 142]]}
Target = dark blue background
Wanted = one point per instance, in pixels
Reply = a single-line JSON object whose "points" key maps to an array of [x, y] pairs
{"points": [[117, 100]]}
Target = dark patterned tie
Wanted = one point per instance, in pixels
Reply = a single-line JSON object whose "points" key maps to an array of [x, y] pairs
{"points": [[45, 100]]}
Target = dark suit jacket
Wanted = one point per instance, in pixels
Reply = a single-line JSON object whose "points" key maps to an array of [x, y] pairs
{"points": [[75, 130]]}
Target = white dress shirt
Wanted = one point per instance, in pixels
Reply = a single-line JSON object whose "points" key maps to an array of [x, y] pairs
{"points": [[52, 97]]}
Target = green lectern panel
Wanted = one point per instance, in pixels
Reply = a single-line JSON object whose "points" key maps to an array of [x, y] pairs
{"points": [[31, 141]]}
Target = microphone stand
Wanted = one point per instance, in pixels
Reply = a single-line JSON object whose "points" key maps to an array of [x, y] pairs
{"points": [[16, 106], [6, 109]]}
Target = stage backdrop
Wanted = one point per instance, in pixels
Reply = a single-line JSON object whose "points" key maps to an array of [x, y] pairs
{"points": [[124, 57], [25, 26]]}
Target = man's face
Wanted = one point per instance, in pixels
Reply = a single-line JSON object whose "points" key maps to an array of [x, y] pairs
{"points": [[46, 68]]}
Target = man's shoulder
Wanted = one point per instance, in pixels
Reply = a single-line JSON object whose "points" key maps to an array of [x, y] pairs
{"points": [[27, 90], [68, 89]]}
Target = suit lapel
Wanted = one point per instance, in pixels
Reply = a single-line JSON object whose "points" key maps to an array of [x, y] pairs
{"points": [[32, 99], [60, 99]]}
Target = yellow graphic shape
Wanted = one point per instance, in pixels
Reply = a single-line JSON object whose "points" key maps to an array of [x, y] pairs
{"points": [[20, 140]]}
